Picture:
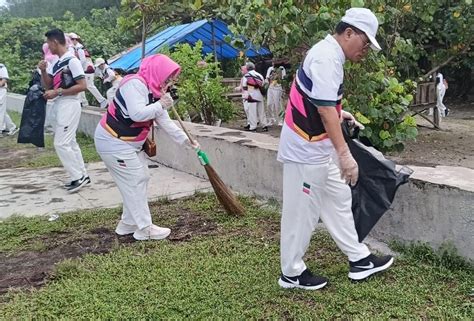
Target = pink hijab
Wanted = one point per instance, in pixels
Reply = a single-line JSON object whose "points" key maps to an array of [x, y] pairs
{"points": [[48, 55], [156, 69]]}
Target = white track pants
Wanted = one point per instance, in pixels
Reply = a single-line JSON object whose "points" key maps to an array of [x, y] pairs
{"points": [[311, 192], [441, 91], [92, 89], [6, 122], [256, 114], [66, 114], [274, 102], [129, 170], [246, 110]]}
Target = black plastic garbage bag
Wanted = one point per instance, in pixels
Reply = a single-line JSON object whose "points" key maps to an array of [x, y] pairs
{"points": [[33, 115], [378, 182]]}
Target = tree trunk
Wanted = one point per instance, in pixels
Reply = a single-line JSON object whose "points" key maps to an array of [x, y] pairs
{"points": [[143, 35]]}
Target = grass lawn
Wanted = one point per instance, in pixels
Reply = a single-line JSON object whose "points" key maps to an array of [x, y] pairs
{"points": [[213, 266], [27, 155]]}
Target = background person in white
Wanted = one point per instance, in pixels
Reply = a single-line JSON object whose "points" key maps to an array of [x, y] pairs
{"points": [[6, 124], [275, 91], [66, 109], [254, 98], [89, 70], [108, 76], [441, 86], [317, 163]]}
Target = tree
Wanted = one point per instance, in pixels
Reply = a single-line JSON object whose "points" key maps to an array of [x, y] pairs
{"points": [[407, 34], [56, 8], [21, 40]]}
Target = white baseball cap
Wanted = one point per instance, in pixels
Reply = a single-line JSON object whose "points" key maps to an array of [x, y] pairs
{"points": [[98, 62], [73, 35], [364, 20]]}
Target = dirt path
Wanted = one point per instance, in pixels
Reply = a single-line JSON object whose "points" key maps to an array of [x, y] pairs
{"points": [[34, 267]]}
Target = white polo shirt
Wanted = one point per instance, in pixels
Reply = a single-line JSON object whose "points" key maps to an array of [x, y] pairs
{"points": [[320, 77], [68, 60]]}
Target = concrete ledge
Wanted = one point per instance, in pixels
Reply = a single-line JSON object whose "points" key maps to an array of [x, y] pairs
{"points": [[436, 206]]}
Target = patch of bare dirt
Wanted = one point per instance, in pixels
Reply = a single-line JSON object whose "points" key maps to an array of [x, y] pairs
{"points": [[33, 268], [451, 146], [11, 157]]}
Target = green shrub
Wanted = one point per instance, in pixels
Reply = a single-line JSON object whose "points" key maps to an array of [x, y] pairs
{"points": [[200, 89]]}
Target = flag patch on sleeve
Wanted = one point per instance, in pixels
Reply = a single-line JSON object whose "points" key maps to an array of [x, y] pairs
{"points": [[306, 188]]}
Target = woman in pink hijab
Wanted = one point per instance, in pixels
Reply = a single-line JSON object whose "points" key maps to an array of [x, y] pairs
{"points": [[139, 101], [48, 55]]}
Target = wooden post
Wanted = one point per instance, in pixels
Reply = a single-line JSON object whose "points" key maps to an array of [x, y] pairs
{"points": [[143, 34], [214, 40]]}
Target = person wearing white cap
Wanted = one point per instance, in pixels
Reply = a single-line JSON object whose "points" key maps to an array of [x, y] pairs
{"points": [[317, 164], [83, 55], [108, 76]]}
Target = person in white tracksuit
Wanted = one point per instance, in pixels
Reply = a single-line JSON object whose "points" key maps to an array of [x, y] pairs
{"points": [[89, 71], [64, 80], [251, 82], [6, 124], [441, 86], [108, 76], [275, 91], [239, 88], [317, 163], [121, 133]]}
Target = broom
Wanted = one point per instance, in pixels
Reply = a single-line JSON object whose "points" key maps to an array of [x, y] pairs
{"points": [[223, 193]]}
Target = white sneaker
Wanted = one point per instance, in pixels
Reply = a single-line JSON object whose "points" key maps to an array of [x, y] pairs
{"points": [[13, 131], [151, 232], [125, 229]]}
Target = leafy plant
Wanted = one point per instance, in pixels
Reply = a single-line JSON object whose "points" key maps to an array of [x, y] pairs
{"points": [[380, 102], [200, 89]]}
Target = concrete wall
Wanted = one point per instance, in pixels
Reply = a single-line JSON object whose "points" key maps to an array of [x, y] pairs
{"points": [[436, 206]]}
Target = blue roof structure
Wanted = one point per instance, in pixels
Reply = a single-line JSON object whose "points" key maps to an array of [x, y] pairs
{"points": [[186, 33]]}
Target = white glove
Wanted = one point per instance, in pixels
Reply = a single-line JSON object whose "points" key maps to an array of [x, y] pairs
{"points": [[194, 144], [351, 119], [166, 101], [348, 166]]}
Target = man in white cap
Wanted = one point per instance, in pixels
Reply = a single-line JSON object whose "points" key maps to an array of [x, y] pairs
{"points": [[108, 76], [317, 164], [83, 55]]}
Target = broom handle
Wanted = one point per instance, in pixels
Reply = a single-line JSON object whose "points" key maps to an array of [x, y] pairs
{"points": [[182, 125]]}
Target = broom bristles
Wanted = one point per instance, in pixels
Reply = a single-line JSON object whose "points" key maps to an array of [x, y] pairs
{"points": [[223, 193]]}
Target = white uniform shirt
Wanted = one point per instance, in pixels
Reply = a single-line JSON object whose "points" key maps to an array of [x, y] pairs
{"points": [[74, 66], [135, 94], [252, 91], [81, 55], [270, 70], [323, 65], [107, 74], [3, 75]]}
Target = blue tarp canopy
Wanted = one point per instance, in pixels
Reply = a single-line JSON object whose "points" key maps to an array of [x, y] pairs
{"points": [[187, 33]]}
